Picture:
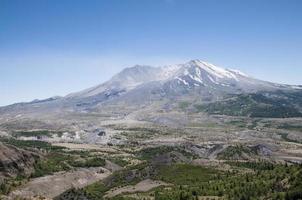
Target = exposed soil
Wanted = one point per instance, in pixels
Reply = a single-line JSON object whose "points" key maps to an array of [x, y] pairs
{"points": [[53, 185]]}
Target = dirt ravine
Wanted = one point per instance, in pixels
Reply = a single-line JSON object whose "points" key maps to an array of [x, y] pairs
{"points": [[53, 185], [143, 186]]}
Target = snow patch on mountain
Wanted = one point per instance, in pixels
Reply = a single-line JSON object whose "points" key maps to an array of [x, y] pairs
{"points": [[211, 79], [237, 72], [193, 74], [298, 87], [212, 69], [183, 81]]}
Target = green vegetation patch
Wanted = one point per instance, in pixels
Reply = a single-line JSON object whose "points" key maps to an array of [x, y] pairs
{"points": [[272, 105], [95, 191], [55, 158], [34, 144], [89, 162], [183, 105], [282, 182], [149, 153], [190, 182], [262, 165], [55, 162], [119, 161], [39, 133], [185, 174]]}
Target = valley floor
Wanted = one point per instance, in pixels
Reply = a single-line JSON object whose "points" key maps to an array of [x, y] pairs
{"points": [[207, 158]]}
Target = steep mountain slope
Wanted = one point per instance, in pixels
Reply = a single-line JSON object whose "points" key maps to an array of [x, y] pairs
{"points": [[142, 85], [276, 104], [176, 78], [195, 79], [14, 161], [128, 79]]}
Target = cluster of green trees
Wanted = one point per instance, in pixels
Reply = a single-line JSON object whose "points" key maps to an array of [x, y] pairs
{"points": [[31, 144], [151, 152], [244, 181], [35, 133], [54, 159], [280, 182], [189, 182], [260, 165], [58, 161], [257, 105]]}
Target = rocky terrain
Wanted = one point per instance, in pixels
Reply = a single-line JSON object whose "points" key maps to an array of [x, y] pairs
{"points": [[195, 82], [186, 131], [14, 162]]}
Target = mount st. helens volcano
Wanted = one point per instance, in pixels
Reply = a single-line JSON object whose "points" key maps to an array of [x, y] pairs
{"points": [[215, 90]]}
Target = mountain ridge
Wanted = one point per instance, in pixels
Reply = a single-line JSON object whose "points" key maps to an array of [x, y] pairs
{"points": [[131, 77], [196, 80]]}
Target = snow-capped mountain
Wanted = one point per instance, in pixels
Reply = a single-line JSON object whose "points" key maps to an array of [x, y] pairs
{"points": [[194, 75], [139, 85]]}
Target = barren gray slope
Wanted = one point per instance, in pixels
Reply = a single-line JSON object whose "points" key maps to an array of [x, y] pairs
{"points": [[144, 84]]}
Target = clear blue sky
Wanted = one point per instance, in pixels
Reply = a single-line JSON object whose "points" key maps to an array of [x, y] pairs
{"points": [[54, 47]]}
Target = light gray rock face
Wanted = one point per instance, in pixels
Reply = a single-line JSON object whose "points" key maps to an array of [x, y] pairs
{"points": [[143, 85]]}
